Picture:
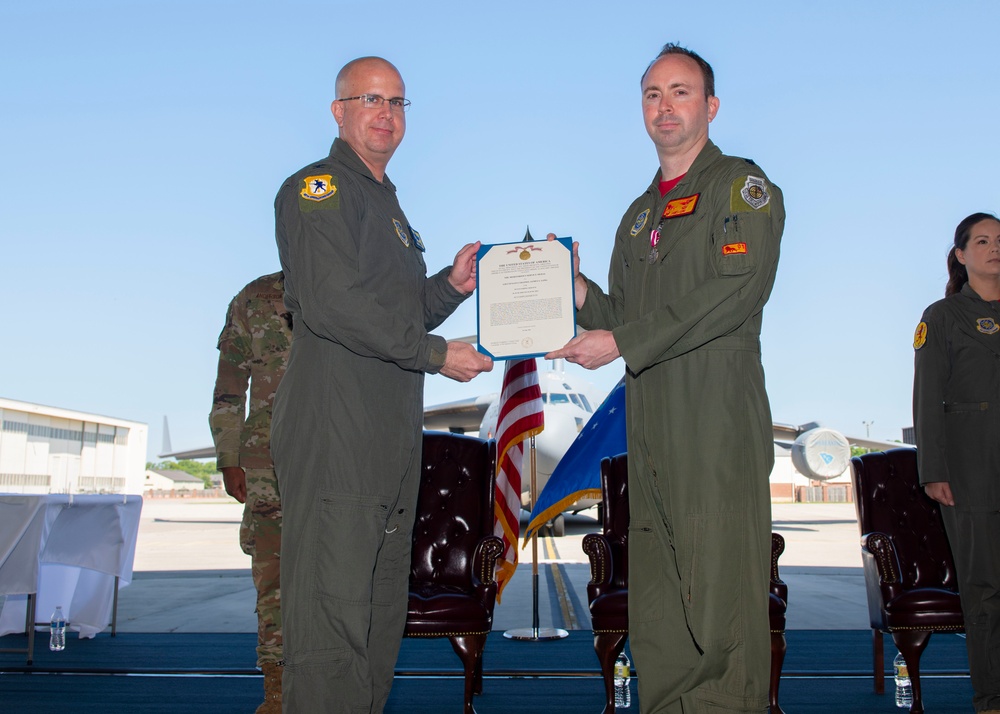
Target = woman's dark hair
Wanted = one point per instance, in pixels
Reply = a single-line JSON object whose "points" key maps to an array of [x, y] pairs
{"points": [[957, 274]]}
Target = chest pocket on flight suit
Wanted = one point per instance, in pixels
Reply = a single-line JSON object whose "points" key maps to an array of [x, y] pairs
{"points": [[678, 232], [681, 262]]}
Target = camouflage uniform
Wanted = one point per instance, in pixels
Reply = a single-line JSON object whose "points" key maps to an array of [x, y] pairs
{"points": [[253, 348]]}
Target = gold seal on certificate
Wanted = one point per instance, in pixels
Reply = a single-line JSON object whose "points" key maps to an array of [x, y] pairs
{"points": [[524, 298]]}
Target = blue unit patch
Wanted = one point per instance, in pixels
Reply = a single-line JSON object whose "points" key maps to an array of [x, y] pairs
{"points": [[416, 240], [401, 232], [640, 221]]}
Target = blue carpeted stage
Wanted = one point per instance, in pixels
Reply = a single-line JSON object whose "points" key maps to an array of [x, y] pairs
{"points": [[825, 672]]}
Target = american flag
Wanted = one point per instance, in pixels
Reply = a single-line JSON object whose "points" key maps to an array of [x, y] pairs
{"points": [[520, 417]]}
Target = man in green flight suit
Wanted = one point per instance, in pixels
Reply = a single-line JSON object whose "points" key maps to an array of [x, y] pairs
{"points": [[348, 418], [253, 351], [692, 267]]}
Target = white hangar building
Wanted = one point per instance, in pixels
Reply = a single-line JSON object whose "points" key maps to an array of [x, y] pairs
{"points": [[52, 450]]}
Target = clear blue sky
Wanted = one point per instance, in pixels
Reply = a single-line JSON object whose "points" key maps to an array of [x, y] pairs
{"points": [[142, 144]]}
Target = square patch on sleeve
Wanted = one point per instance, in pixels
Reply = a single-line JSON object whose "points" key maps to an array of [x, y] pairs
{"points": [[749, 193]]}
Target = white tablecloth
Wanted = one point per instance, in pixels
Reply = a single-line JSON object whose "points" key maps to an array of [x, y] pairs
{"points": [[68, 550]]}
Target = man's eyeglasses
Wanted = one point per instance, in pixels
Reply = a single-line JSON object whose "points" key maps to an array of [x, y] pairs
{"points": [[374, 101]]}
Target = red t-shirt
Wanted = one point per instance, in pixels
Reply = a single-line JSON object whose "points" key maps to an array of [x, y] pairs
{"points": [[667, 186]]}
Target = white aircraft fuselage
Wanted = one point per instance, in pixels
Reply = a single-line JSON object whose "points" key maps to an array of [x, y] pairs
{"points": [[569, 402]]}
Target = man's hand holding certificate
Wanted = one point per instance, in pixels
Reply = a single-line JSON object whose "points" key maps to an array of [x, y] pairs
{"points": [[525, 301]]}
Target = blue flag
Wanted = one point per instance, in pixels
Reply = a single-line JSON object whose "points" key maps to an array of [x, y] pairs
{"points": [[578, 473]]}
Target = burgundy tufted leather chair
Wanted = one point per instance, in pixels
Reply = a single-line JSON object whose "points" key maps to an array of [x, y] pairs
{"points": [[777, 604], [607, 590], [909, 572], [452, 590]]}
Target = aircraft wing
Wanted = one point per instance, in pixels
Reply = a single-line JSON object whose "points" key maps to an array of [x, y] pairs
{"points": [[461, 416], [874, 444], [205, 452], [785, 435]]}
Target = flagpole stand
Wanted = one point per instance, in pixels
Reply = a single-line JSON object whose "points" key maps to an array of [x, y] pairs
{"points": [[535, 633], [542, 634]]}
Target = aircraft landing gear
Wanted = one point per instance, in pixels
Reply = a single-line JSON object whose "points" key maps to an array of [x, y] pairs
{"points": [[558, 526]]}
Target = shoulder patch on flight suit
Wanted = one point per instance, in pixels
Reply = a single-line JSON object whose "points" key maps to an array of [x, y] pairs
{"points": [[987, 325], [318, 188], [920, 336], [401, 232], [681, 206], [319, 192], [639, 222], [749, 194]]}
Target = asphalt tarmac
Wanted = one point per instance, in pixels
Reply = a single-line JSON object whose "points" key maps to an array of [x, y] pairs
{"points": [[191, 576]]}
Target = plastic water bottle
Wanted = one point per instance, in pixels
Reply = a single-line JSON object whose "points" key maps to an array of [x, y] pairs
{"points": [[623, 697], [904, 692], [57, 631]]}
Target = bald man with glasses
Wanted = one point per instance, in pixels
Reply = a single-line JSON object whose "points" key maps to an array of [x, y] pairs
{"points": [[348, 416]]}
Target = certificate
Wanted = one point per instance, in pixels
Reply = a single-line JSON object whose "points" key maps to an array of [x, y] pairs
{"points": [[525, 298]]}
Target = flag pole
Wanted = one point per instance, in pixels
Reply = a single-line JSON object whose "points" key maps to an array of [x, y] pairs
{"points": [[535, 633]]}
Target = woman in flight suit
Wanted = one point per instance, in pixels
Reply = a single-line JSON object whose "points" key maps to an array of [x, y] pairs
{"points": [[956, 410]]}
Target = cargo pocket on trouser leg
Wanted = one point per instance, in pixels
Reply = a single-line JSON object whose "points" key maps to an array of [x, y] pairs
{"points": [[647, 573], [391, 577], [712, 560], [350, 529], [349, 532], [246, 530], [331, 656], [726, 601], [266, 571]]}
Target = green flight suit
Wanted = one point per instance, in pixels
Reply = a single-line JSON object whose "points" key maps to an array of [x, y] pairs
{"points": [[347, 427], [687, 322], [956, 415], [253, 352]]}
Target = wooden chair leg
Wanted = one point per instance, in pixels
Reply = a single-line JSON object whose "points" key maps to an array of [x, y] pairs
{"points": [[778, 647], [469, 649], [912, 644], [477, 686], [878, 661], [608, 645]]}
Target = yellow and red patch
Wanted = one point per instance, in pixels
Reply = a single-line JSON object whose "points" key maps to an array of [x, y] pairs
{"points": [[734, 249], [920, 336], [681, 206]]}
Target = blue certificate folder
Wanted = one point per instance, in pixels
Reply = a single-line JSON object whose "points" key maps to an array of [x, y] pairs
{"points": [[523, 307]]}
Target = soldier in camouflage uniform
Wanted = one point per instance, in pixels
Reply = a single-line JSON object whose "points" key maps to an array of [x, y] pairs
{"points": [[253, 349]]}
